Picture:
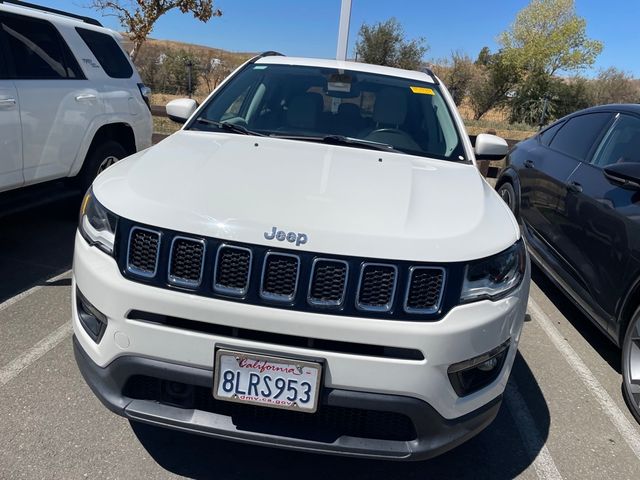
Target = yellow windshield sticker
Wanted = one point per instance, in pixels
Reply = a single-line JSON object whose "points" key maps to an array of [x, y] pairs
{"points": [[422, 90]]}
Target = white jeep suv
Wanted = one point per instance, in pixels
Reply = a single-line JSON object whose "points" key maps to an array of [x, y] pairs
{"points": [[71, 101], [313, 262]]}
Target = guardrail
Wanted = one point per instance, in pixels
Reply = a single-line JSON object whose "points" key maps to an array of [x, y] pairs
{"points": [[159, 111]]}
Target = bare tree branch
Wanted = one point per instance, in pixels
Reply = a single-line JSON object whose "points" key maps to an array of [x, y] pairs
{"points": [[138, 17]]}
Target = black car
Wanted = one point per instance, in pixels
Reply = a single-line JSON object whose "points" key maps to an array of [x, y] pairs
{"points": [[575, 189]]}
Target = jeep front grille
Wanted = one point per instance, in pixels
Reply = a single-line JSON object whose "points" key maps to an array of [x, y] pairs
{"points": [[425, 289], [280, 276], [142, 254], [186, 261], [233, 265], [377, 286], [328, 282], [290, 279]]}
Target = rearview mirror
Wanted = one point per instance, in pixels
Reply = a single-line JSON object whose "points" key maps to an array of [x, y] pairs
{"points": [[625, 175], [490, 147], [181, 109]]}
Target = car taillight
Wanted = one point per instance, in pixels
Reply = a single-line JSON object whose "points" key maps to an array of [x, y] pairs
{"points": [[146, 94]]}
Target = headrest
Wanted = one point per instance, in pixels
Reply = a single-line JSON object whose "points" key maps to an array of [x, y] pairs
{"points": [[304, 109], [390, 107], [349, 110]]}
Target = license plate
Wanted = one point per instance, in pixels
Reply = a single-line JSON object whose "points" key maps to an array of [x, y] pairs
{"points": [[268, 381]]}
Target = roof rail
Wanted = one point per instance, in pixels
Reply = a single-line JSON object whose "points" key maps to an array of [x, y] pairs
{"points": [[89, 20], [268, 53], [429, 72]]}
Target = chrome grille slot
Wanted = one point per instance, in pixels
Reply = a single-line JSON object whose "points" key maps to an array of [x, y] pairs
{"points": [[186, 261], [280, 277], [233, 266], [377, 286], [328, 282], [426, 285], [143, 251]]}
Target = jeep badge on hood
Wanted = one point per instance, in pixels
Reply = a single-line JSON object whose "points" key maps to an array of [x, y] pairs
{"points": [[291, 237]]}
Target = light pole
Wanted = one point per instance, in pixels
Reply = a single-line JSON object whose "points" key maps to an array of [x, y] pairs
{"points": [[343, 31], [189, 67]]}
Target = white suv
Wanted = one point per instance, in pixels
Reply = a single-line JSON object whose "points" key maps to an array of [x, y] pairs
{"points": [[71, 101], [313, 262]]}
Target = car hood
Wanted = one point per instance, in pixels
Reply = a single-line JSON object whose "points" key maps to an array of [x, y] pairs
{"points": [[345, 200]]}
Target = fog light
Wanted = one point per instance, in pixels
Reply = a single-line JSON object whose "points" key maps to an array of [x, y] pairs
{"points": [[178, 394], [488, 365], [92, 320], [478, 372]]}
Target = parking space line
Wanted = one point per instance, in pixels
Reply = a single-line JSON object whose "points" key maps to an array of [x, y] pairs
{"points": [[543, 463], [13, 368], [13, 300], [628, 432]]}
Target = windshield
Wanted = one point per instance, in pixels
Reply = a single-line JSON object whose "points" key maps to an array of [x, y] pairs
{"points": [[352, 108]]}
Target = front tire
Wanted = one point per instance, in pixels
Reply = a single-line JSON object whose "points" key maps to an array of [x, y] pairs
{"points": [[99, 159], [508, 194], [631, 365]]}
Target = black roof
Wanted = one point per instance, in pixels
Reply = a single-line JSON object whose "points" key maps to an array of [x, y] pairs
{"points": [[616, 107]]}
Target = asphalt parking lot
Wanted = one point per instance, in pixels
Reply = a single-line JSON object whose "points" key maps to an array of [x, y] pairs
{"points": [[563, 415]]}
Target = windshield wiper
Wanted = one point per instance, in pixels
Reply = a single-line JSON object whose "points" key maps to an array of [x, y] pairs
{"points": [[229, 127], [343, 140], [359, 142]]}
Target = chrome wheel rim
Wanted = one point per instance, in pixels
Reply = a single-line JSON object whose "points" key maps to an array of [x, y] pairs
{"points": [[632, 365], [107, 162]]}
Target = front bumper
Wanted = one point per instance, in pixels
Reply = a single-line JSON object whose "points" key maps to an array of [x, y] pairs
{"points": [[434, 434], [419, 389]]}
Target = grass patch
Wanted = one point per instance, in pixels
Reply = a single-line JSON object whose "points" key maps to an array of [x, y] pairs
{"points": [[164, 126]]}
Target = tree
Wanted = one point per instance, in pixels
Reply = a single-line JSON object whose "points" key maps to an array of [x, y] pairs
{"points": [[614, 86], [385, 44], [493, 79], [138, 17], [457, 74], [176, 74], [214, 70], [555, 96], [483, 57], [149, 65], [548, 36]]}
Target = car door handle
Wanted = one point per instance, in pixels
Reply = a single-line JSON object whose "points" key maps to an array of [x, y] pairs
{"points": [[574, 187], [529, 164], [7, 103], [85, 97]]}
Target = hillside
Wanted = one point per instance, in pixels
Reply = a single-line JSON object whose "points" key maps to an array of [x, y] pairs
{"points": [[199, 50]]}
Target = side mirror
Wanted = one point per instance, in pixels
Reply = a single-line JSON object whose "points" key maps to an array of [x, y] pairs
{"points": [[625, 175], [181, 109], [490, 147]]}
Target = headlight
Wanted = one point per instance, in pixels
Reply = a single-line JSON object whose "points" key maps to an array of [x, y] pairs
{"points": [[97, 225], [495, 276]]}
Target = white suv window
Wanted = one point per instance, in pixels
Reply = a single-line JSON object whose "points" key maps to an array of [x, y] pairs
{"points": [[38, 50], [107, 52]]}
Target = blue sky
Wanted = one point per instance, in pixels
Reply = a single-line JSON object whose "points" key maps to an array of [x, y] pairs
{"points": [[309, 28]]}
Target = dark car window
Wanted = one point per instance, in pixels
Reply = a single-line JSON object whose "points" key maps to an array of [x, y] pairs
{"points": [[309, 103], [621, 144], [577, 136], [38, 50], [547, 135], [107, 52]]}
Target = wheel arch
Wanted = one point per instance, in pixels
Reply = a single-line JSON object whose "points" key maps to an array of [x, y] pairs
{"points": [[628, 306], [121, 132], [509, 175]]}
